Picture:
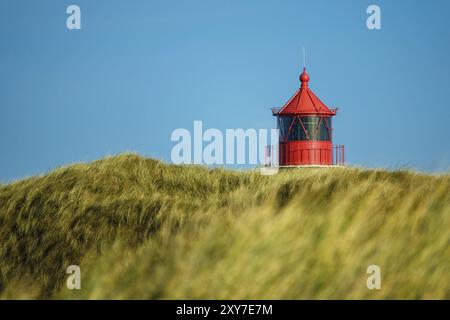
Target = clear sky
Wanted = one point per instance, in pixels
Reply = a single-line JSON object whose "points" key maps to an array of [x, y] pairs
{"points": [[137, 70]]}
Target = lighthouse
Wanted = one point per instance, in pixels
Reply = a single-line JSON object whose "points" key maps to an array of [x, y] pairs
{"points": [[306, 130]]}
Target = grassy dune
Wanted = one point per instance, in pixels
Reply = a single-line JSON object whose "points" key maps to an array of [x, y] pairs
{"points": [[139, 228]]}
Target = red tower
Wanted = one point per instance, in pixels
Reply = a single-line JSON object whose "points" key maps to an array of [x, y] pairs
{"points": [[306, 131]]}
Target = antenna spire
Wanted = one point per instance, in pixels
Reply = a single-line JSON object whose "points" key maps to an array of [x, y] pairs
{"points": [[304, 77], [304, 57]]}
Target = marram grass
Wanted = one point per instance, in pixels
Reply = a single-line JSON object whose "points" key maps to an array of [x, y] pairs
{"points": [[143, 229]]}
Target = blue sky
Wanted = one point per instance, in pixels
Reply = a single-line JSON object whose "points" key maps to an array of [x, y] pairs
{"points": [[137, 70]]}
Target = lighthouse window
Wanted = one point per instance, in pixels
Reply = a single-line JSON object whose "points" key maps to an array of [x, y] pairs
{"points": [[310, 124], [283, 124], [317, 129], [293, 123], [312, 129], [325, 130], [297, 133]]}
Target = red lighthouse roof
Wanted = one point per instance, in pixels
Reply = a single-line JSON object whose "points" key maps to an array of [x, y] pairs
{"points": [[304, 102]]}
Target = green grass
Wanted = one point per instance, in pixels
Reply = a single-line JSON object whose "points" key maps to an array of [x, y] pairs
{"points": [[140, 228]]}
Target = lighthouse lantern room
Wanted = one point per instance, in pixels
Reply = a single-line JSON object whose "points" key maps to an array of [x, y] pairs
{"points": [[306, 130]]}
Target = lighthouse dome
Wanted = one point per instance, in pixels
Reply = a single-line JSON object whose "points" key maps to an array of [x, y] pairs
{"points": [[305, 102]]}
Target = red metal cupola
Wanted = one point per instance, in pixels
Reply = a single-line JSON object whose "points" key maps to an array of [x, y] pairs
{"points": [[305, 101], [306, 132]]}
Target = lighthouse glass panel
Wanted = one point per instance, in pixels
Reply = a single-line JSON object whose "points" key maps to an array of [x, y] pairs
{"points": [[311, 128], [284, 123], [325, 130], [317, 129]]}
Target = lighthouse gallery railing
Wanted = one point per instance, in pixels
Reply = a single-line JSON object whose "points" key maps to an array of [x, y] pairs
{"points": [[272, 155]]}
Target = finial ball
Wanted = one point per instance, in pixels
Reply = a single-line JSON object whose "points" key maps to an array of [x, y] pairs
{"points": [[304, 77]]}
